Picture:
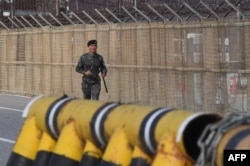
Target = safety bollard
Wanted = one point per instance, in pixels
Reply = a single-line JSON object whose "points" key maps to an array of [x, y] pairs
{"points": [[68, 149], [46, 146], [25, 149], [91, 155], [26, 146], [139, 158], [118, 151]]}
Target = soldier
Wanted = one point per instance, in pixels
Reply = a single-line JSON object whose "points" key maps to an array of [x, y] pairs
{"points": [[90, 65]]}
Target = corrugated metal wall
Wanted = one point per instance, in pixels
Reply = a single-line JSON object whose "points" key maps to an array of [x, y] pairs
{"points": [[202, 66]]}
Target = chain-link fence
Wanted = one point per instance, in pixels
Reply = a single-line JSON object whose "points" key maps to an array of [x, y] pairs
{"points": [[202, 66]]}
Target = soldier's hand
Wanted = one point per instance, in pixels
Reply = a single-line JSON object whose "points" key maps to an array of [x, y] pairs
{"points": [[87, 73]]}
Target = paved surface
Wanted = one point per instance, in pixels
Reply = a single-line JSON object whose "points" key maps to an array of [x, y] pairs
{"points": [[11, 108]]}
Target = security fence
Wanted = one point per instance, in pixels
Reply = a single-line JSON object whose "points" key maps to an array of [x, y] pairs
{"points": [[202, 66], [185, 54]]}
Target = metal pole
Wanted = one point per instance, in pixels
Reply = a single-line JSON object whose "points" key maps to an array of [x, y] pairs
{"points": [[89, 17], [141, 13], [44, 20], [120, 3], [123, 8], [135, 3], [111, 13], [11, 9], [98, 12], [13, 22]]}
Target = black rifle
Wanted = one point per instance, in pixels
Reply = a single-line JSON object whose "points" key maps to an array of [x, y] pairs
{"points": [[104, 82]]}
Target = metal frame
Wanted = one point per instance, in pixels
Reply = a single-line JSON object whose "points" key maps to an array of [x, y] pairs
{"points": [[112, 14], [20, 22], [55, 19], [77, 17], [86, 14], [13, 22], [235, 8], [36, 21], [172, 11], [45, 20], [98, 12], [141, 13], [135, 14], [27, 22], [193, 10], [128, 13], [65, 16], [209, 9], [157, 13]]}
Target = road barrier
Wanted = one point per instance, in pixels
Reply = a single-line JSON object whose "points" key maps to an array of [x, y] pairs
{"points": [[68, 131]]}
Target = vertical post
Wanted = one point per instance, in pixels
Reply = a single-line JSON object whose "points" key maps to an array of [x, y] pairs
{"points": [[135, 3], [1, 10], [135, 7], [67, 6], [11, 9], [120, 3]]}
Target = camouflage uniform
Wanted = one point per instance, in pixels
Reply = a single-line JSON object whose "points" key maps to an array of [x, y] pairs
{"points": [[91, 85]]}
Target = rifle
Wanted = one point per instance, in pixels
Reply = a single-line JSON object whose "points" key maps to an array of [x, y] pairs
{"points": [[104, 82]]}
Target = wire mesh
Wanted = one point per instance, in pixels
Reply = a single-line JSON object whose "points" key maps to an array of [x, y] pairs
{"points": [[203, 66]]}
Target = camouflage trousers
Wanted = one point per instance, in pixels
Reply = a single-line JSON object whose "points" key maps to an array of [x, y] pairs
{"points": [[91, 91]]}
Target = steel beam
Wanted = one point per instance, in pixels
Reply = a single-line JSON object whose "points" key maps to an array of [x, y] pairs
{"points": [[86, 14], [141, 13], [157, 13], [112, 14], [45, 20], [130, 15], [36, 21], [100, 14], [27, 22], [193, 10], [173, 12]]}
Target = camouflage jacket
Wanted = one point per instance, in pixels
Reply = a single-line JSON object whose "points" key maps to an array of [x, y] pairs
{"points": [[93, 63]]}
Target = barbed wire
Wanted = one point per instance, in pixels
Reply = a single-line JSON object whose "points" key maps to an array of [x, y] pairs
{"points": [[102, 11]]}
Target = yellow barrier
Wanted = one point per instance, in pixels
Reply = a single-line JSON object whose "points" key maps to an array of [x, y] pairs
{"points": [[73, 132]]}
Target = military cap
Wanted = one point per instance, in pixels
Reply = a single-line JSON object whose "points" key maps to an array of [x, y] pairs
{"points": [[92, 42]]}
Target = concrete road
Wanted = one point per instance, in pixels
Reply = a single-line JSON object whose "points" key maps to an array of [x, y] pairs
{"points": [[11, 108]]}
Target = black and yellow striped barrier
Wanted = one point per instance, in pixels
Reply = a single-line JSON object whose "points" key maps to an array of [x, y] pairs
{"points": [[64, 131]]}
